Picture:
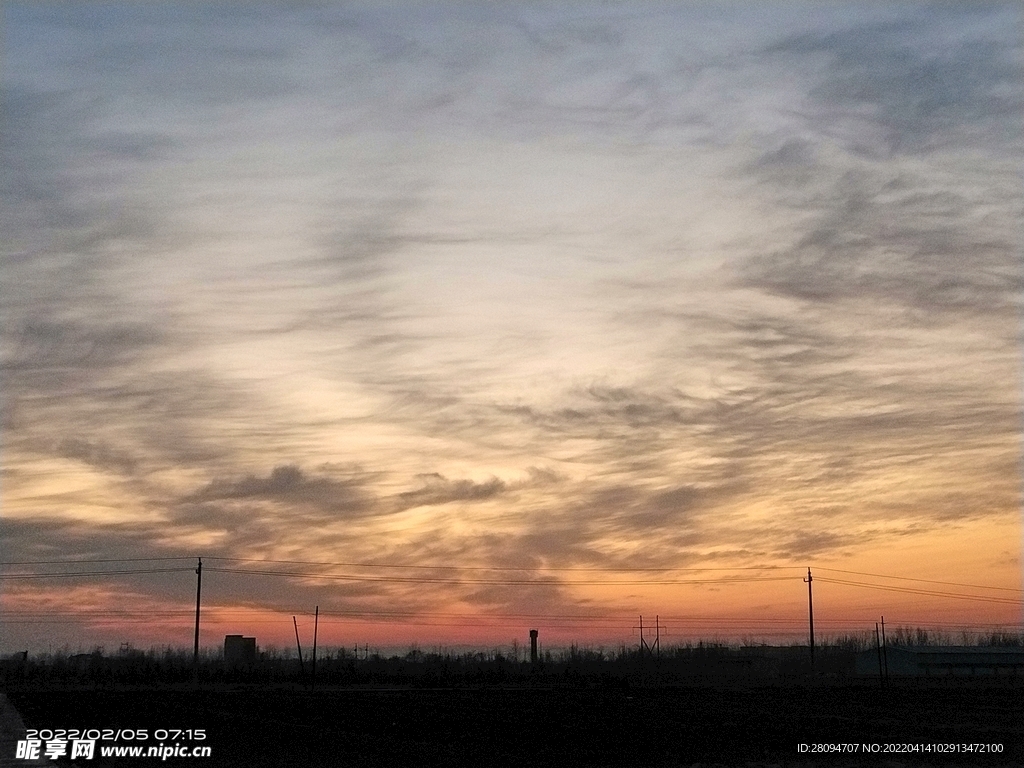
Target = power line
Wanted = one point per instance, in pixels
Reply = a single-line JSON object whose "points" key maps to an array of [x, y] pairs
{"points": [[504, 568], [90, 561], [933, 593], [926, 581], [68, 574], [359, 614], [556, 569], [976, 629], [733, 625], [481, 620], [509, 582], [604, 569], [497, 581]]}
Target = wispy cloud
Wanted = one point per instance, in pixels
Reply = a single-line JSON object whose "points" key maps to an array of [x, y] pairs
{"points": [[528, 286]]}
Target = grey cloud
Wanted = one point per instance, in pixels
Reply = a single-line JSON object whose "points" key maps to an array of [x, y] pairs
{"points": [[58, 229], [69, 540], [880, 233], [169, 52], [681, 514], [99, 455], [818, 543], [53, 538], [373, 233], [599, 408], [288, 483], [551, 598], [791, 164], [573, 528], [160, 418], [437, 489], [543, 477], [134, 146], [882, 237], [683, 498], [49, 345], [526, 554], [60, 539], [923, 91], [793, 153]]}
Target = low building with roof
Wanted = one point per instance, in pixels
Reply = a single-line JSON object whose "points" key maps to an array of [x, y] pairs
{"points": [[239, 650]]}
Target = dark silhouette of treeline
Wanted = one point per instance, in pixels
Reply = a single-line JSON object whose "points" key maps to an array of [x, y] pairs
{"points": [[576, 666]]}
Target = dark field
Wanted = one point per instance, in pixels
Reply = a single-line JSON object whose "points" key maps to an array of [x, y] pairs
{"points": [[553, 726]]}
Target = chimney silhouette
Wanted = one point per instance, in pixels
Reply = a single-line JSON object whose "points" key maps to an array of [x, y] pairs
{"points": [[533, 646]]}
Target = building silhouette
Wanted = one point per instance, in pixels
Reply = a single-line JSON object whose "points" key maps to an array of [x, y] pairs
{"points": [[239, 650]]}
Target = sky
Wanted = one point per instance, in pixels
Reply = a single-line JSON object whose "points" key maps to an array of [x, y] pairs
{"points": [[481, 317]]}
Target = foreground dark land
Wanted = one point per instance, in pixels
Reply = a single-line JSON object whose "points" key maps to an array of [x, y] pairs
{"points": [[553, 725]]}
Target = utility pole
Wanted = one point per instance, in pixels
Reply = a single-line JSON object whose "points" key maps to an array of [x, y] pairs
{"points": [[316, 623], [878, 647], [643, 640], [885, 653], [810, 614], [643, 646], [302, 667], [199, 592]]}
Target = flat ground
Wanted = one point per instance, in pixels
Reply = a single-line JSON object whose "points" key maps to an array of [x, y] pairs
{"points": [[530, 728]]}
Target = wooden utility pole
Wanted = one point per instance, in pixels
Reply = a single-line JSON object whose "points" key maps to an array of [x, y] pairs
{"points": [[810, 614], [643, 647], [302, 667], [316, 623], [878, 647], [885, 653], [199, 593]]}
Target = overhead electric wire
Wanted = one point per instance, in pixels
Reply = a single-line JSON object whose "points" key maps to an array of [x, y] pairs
{"points": [[508, 568], [453, 580], [555, 569], [604, 569], [911, 590], [90, 561], [672, 625], [782, 628], [509, 582], [925, 581], [69, 574], [219, 614], [214, 614]]}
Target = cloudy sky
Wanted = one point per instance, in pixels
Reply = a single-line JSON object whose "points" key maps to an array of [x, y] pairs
{"points": [[517, 299]]}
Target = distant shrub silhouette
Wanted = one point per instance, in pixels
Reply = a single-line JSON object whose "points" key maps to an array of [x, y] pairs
{"points": [[700, 661]]}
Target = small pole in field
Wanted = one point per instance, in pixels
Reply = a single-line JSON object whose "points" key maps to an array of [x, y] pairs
{"points": [[878, 647], [302, 667], [810, 614], [657, 634], [195, 647], [316, 623], [885, 653]]}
